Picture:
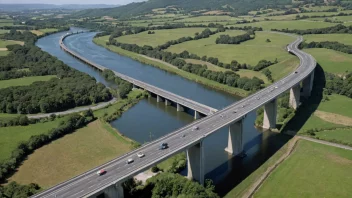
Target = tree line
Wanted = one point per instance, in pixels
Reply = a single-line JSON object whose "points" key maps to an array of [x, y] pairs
{"points": [[16, 190], [338, 29], [124, 87], [329, 45], [226, 39], [70, 124]]}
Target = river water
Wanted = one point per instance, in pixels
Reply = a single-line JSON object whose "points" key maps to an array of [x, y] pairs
{"points": [[149, 120]]}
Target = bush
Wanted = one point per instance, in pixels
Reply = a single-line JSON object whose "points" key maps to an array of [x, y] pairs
{"points": [[155, 169]]}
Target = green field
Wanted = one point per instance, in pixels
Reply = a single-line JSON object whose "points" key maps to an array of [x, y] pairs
{"points": [[332, 61], [301, 25], [24, 81], [314, 122], [160, 37], [341, 135], [6, 24], [4, 31], [4, 53], [208, 19], [74, 152], [342, 38], [337, 104], [3, 43], [283, 68], [312, 170], [162, 65], [43, 31], [10, 137], [249, 52]]}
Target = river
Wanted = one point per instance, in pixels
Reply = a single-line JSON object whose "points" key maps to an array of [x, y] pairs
{"points": [[149, 120]]}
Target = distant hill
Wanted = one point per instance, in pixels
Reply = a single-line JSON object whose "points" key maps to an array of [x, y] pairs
{"points": [[237, 6], [20, 7]]}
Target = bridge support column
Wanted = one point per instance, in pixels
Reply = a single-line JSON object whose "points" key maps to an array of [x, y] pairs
{"points": [[308, 85], [114, 191], [167, 102], [295, 94], [180, 107], [195, 163], [134, 87], [159, 98], [196, 115], [270, 111], [234, 145]]}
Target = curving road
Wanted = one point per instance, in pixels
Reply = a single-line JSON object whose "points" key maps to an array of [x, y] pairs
{"points": [[117, 170]]}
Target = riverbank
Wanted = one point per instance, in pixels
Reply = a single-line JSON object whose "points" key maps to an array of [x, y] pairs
{"points": [[169, 68]]}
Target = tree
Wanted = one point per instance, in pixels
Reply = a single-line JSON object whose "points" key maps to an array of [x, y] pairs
{"points": [[268, 40]]}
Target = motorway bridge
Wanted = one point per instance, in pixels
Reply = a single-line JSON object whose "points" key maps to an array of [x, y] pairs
{"points": [[190, 138], [181, 103]]}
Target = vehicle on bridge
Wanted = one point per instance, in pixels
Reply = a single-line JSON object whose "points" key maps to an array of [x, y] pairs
{"points": [[140, 155], [129, 161], [195, 128], [101, 172], [163, 146]]}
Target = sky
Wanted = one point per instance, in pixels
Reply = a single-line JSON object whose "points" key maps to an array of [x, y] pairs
{"points": [[121, 2]]}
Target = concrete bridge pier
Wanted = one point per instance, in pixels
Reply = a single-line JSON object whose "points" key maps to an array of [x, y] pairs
{"points": [[270, 112], [180, 107], [167, 102], [114, 191], [234, 145], [196, 115], [308, 85], [159, 98], [295, 94], [195, 163]]}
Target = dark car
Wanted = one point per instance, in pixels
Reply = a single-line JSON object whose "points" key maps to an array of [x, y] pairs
{"points": [[163, 146]]}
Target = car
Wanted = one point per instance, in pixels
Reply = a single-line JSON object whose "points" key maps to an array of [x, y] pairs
{"points": [[296, 72], [129, 161], [276, 87], [258, 98], [163, 146], [221, 115], [234, 111], [140, 155], [183, 135], [242, 106], [101, 172], [195, 128]]}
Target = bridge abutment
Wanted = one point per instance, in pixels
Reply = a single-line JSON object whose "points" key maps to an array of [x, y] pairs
{"points": [[196, 115], [295, 94], [270, 112], [195, 163], [180, 107], [308, 85], [234, 145]]}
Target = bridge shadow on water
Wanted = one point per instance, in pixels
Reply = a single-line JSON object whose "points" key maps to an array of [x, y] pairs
{"points": [[232, 172]]}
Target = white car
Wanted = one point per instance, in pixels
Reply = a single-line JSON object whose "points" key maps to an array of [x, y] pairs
{"points": [[140, 155], [276, 87], [195, 128], [129, 161]]}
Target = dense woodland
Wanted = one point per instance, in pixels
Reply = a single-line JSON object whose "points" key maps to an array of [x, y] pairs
{"points": [[338, 85], [226, 39], [71, 88], [15, 190]]}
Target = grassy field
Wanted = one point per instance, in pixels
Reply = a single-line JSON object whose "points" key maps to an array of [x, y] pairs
{"points": [[4, 31], [4, 53], [24, 81], [160, 37], [42, 31], [208, 19], [75, 154], [342, 38], [342, 135], [3, 43], [243, 52], [242, 72], [332, 61], [10, 137], [236, 91], [283, 68], [301, 25], [312, 170], [337, 104], [315, 122]]}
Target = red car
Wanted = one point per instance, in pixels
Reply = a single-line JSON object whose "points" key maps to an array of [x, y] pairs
{"points": [[101, 172]]}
